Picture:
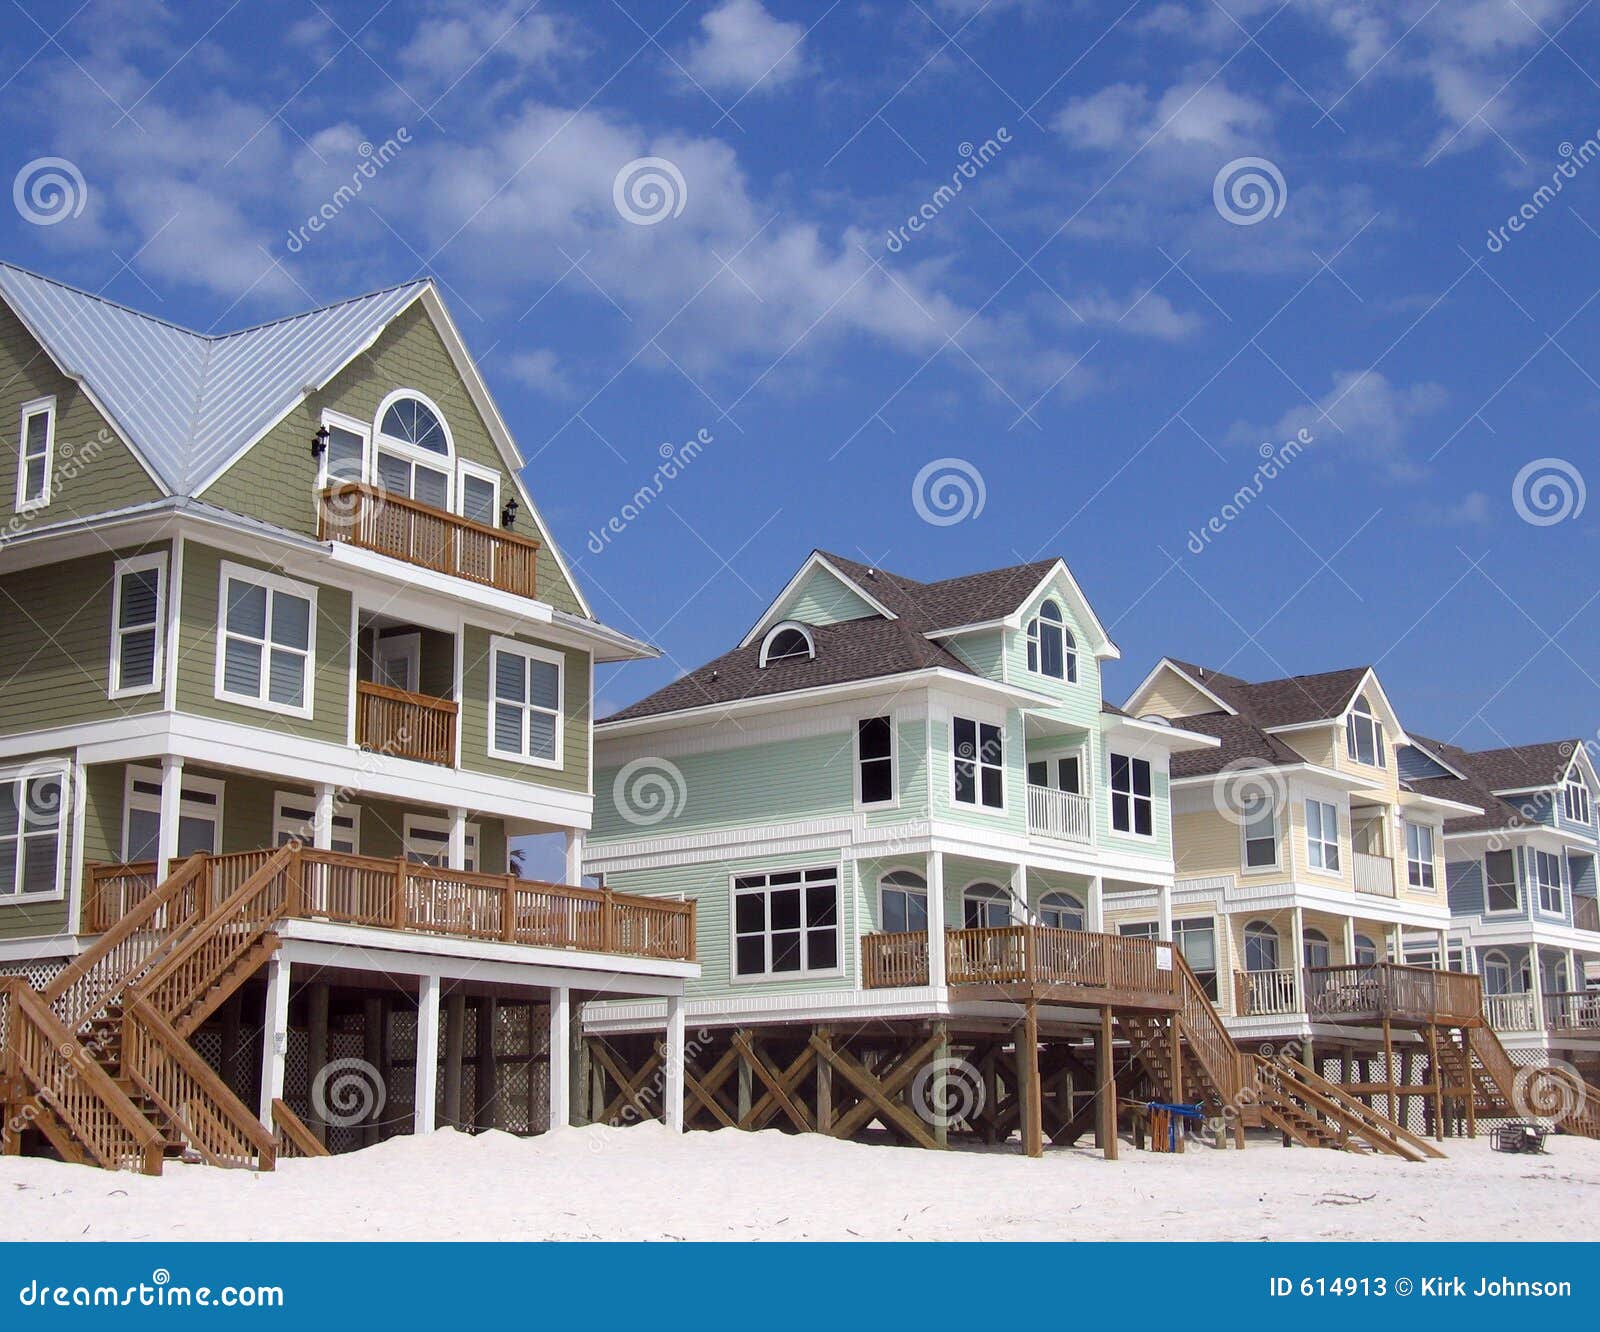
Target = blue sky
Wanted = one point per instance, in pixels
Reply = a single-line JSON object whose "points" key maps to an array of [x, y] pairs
{"points": [[1098, 332]]}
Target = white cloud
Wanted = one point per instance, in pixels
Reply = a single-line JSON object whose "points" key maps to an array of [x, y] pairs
{"points": [[462, 37], [1471, 510], [1186, 116], [1104, 119], [1147, 314], [743, 48], [1363, 414], [540, 369]]}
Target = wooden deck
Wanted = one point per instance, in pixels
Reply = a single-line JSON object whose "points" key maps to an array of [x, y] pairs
{"points": [[420, 899], [1386, 991]]}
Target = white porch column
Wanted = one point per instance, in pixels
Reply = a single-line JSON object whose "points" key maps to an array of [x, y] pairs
{"points": [[560, 1057], [274, 1035], [1019, 895], [1095, 907], [171, 799], [672, 1062], [1444, 950], [422, 1116], [458, 839], [1349, 941], [1536, 980], [936, 971], [1164, 911], [1298, 962], [574, 857], [322, 822]]}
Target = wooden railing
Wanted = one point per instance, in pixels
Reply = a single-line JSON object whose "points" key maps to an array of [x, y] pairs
{"points": [[1206, 1033], [294, 1138], [404, 725], [1586, 913], [1266, 993], [1374, 874], [894, 959], [1509, 1012], [369, 517], [1034, 954], [69, 1092], [1060, 814], [1575, 1010], [1386, 989]]}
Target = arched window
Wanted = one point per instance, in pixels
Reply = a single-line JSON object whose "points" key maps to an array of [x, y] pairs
{"points": [[1319, 952], [1364, 734], [1496, 973], [1556, 977], [1061, 911], [1051, 649], [787, 642], [414, 450], [985, 906], [1260, 946], [1366, 951], [903, 902]]}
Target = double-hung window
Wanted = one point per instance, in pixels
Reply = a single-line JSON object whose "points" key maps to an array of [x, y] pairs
{"points": [[1258, 817], [1500, 882], [479, 488], [36, 442], [1548, 870], [31, 844], [1132, 799], [786, 923], [138, 609], [875, 761], [526, 691], [979, 764], [1322, 835], [1575, 795], [1419, 856], [266, 641]]}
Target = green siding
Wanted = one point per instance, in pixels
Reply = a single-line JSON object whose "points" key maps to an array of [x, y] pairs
{"points": [[573, 775], [823, 599], [197, 662], [276, 479], [22, 919], [55, 638], [711, 887], [94, 470]]}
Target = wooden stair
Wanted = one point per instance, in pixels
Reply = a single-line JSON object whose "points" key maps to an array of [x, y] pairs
{"points": [[1531, 1091], [1311, 1111], [99, 1061]]}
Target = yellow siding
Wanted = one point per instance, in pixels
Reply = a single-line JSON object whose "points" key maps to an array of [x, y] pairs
{"points": [[1170, 695]]}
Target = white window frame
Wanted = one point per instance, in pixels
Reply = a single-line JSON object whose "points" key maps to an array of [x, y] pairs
{"points": [[1078, 904], [410, 649], [893, 802], [478, 472], [19, 776], [1321, 844], [1575, 788], [150, 803], [804, 630], [1245, 867], [1132, 830], [1000, 894], [414, 823], [1035, 644], [1053, 758], [283, 823], [399, 448], [1516, 883], [1558, 888], [138, 564], [768, 975], [906, 890], [529, 651], [274, 583], [977, 803], [1363, 712], [1415, 864], [33, 407], [339, 421]]}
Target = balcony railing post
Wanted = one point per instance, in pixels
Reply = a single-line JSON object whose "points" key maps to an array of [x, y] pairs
{"points": [[608, 921], [508, 912], [399, 905]]}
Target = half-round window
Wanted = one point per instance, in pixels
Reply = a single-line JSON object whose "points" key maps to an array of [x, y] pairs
{"points": [[411, 421], [1366, 951], [787, 642], [985, 906], [1061, 911]]}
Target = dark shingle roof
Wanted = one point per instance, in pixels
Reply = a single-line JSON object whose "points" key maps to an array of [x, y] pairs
{"points": [[1491, 770], [1286, 702], [1519, 767], [1240, 741], [951, 602]]}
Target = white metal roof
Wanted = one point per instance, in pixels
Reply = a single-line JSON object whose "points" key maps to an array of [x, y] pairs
{"points": [[189, 402]]}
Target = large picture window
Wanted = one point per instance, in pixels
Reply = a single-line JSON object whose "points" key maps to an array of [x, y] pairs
{"points": [[32, 811], [786, 923], [525, 685], [1132, 799], [265, 641], [979, 764]]}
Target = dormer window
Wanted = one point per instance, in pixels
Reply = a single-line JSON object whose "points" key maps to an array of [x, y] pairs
{"points": [[1051, 649], [787, 642], [1364, 734], [1575, 797], [414, 450]]}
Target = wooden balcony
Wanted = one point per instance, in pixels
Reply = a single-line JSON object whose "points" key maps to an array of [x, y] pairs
{"points": [[1062, 815], [1266, 993], [402, 725], [371, 518], [1510, 1012], [1380, 990], [419, 899], [1575, 1011], [1374, 874], [1063, 966]]}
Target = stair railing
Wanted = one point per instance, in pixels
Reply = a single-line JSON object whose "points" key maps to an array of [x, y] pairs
{"points": [[1206, 1033]]}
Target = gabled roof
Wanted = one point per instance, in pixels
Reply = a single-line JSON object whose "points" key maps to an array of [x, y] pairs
{"points": [[1490, 772], [1293, 701], [1241, 741], [1524, 767], [188, 402], [952, 602]]}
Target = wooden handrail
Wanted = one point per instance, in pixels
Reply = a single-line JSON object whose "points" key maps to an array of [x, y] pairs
{"points": [[405, 725], [294, 1138]]}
